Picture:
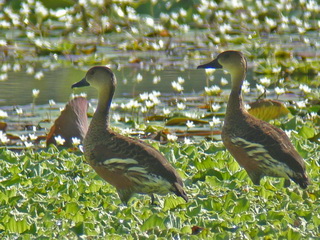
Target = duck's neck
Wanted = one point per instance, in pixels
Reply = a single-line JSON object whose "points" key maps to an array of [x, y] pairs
{"points": [[235, 103], [100, 120]]}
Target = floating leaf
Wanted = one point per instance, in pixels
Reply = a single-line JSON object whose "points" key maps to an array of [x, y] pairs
{"points": [[202, 133], [156, 118], [72, 207], [183, 120], [267, 110], [242, 205], [160, 33], [307, 132], [172, 202], [153, 222], [17, 226]]}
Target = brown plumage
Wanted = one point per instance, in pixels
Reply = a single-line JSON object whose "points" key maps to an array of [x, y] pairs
{"points": [[72, 122], [130, 165], [259, 147]]}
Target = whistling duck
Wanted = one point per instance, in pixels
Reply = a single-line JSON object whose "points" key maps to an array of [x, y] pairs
{"points": [[259, 147], [130, 165]]}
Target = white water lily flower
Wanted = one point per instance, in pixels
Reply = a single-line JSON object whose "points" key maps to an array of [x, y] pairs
{"points": [[172, 137], [279, 91], [59, 140], [177, 86], [181, 80], [39, 75], [52, 102], [301, 104], [139, 77], [190, 124], [75, 141], [32, 136], [212, 90], [156, 79], [223, 81], [215, 107], [19, 111], [187, 141], [28, 144], [166, 111], [149, 104], [144, 96], [3, 76], [181, 106], [265, 81], [304, 88], [215, 121], [35, 93], [260, 88], [3, 138], [3, 114]]}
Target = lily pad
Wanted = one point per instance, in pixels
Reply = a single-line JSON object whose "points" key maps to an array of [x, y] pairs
{"points": [[267, 109]]}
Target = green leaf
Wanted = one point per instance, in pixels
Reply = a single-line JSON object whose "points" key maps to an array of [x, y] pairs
{"points": [[153, 222], [306, 132], [12, 181], [78, 229], [242, 205], [72, 207], [4, 198], [291, 124], [17, 226], [183, 121], [172, 202]]}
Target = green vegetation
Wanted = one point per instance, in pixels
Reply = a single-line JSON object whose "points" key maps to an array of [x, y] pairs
{"points": [[53, 193]]}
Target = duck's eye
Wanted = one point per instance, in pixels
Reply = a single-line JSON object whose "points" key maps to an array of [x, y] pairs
{"points": [[91, 72]]}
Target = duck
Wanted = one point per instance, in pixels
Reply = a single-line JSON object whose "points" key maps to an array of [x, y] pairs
{"points": [[259, 147], [130, 165]]}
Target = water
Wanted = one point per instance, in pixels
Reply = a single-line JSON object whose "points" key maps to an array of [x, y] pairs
{"points": [[56, 84]]}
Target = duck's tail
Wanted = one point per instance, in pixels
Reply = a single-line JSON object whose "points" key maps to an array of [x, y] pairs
{"points": [[179, 191], [302, 180]]}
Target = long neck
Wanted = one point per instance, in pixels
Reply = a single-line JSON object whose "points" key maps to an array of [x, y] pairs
{"points": [[235, 103], [100, 120]]}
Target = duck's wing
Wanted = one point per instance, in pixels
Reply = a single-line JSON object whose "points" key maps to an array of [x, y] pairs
{"points": [[262, 139], [127, 153]]}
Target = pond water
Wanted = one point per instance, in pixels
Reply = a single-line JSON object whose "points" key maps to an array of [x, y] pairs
{"points": [[56, 84], [181, 60]]}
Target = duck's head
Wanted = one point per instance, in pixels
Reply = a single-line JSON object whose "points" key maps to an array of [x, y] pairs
{"points": [[99, 77], [232, 61]]}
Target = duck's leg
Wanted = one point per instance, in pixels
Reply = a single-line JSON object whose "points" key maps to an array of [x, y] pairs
{"points": [[152, 199]]}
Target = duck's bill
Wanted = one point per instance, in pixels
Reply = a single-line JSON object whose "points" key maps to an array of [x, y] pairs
{"points": [[214, 64], [82, 83]]}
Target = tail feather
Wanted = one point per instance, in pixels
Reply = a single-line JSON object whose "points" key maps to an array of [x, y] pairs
{"points": [[302, 180]]}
